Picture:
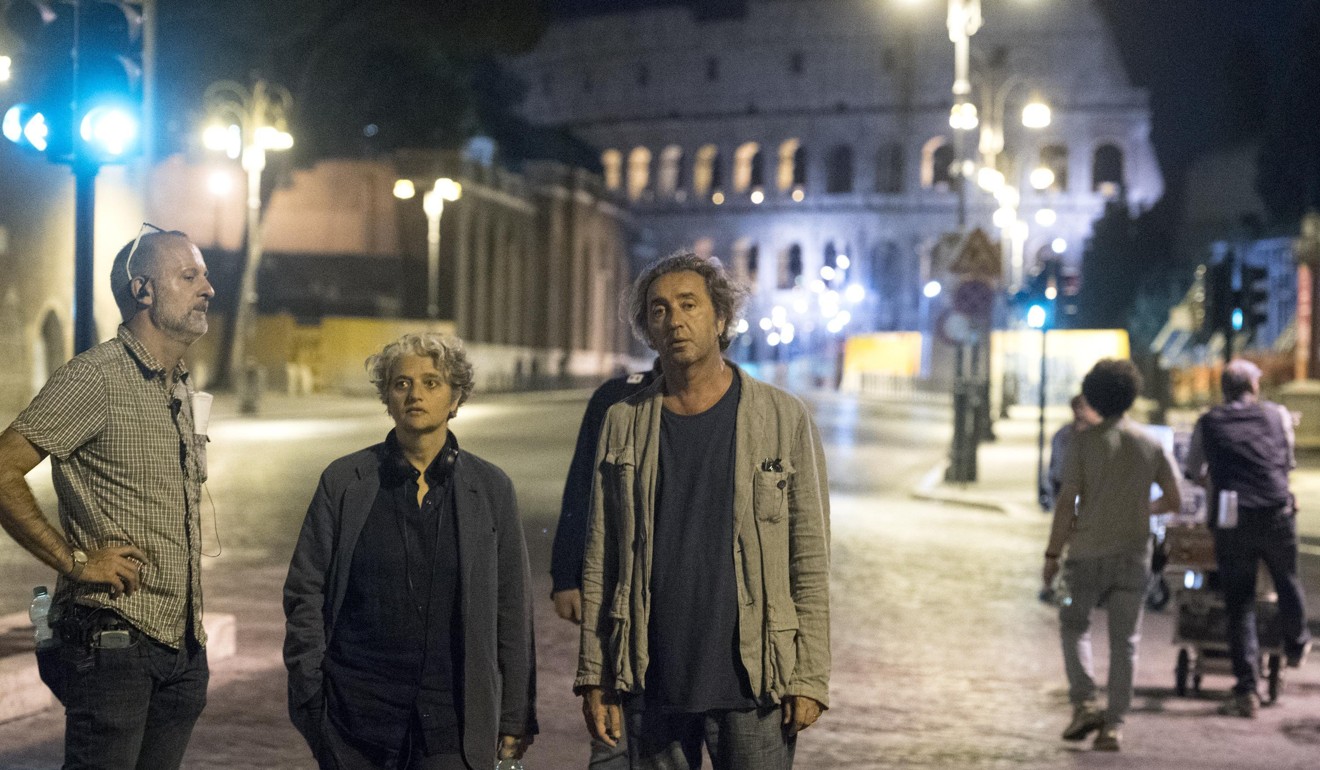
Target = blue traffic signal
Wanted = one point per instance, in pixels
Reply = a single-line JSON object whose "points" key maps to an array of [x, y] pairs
{"points": [[1237, 319], [109, 131], [24, 126], [80, 70], [1038, 315]]}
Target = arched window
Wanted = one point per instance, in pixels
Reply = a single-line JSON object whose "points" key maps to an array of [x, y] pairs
{"points": [[669, 178], [747, 171], [745, 258], [612, 163], [639, 172], [1055, 158], [789, 267], [791, 172], [937, 164], [889, 168], [1107, 170], [706, 171], [839, 169]]}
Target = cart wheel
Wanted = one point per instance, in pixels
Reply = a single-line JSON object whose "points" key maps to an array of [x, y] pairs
{"points": [[1180, 672], [1274, 678], [1157, 595]]}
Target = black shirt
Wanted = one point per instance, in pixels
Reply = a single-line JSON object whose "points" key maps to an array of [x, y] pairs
{"points": [[694, 665], [396, 652]]}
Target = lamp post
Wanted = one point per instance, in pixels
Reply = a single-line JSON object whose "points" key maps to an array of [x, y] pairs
{"points": [[246, 124], [433, 203], [1038, 318]]}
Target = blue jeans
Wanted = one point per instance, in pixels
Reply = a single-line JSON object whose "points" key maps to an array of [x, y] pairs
{"points": [[1270, 537], [131, 707], [1119, 584], [736, 740]]}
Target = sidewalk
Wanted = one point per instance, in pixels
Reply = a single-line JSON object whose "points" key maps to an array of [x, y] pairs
{"points": [[1006, 475]]}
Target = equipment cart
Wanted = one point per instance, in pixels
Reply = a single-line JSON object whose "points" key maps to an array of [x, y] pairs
{"points": [[1201, 629]]}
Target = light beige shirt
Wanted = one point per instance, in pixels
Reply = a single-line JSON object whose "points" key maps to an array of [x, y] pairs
{"points": [[1113, 464]]}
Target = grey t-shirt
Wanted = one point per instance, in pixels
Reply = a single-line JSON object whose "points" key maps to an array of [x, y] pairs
{"points": [[1113, 465]]}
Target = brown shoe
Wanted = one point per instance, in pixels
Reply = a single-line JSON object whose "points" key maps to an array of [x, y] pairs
{"points": [[1245, 704], [1087, 718], [1107, 739]]}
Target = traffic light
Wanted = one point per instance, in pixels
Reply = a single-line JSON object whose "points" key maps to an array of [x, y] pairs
{"points": [[1254, 298], [80, 74], [1220, 299]]}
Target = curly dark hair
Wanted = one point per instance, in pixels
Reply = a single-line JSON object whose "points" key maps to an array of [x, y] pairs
{"points": [[1112, 386], [725, 294]]}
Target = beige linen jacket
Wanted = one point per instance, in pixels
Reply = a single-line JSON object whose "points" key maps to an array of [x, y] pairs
{"points": [[780, 545]]}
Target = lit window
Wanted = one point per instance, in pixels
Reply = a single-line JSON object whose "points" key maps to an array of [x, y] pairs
{"points": [[639, 172], [612, 162]]}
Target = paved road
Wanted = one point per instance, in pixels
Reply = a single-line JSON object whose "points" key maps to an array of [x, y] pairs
{"points": [[943, 657]]}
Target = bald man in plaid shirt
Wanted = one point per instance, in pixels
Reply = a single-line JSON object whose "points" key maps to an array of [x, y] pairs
{"points": [[129, 663]]}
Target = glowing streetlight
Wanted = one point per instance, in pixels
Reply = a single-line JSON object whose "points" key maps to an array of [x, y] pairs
{"points": [[1036, 114], [433, 203], [932, 289], [1046, 217], [6, 64], [246, 124], [404, 189], [757, 197], [1041, 178], [1058, 245]]}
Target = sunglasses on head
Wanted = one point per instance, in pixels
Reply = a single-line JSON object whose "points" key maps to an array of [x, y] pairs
{"points": [[146, 229]]}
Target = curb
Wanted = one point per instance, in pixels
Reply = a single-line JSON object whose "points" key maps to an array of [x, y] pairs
{"points": [[931, 488], [22, 693]]}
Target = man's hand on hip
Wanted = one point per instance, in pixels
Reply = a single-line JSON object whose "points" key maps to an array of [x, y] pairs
{"points": [[568, 604], [604, 716], [800, 712], [118, 566]]}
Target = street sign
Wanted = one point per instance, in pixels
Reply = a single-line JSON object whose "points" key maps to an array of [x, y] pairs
{"points": [[979, 257], [954, 328]]}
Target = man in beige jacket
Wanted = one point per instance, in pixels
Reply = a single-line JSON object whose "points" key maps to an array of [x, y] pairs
{"points": [[706, 578]]}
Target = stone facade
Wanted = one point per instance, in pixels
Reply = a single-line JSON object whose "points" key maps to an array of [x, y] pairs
{"points": [[800, 132], [532, 264]]}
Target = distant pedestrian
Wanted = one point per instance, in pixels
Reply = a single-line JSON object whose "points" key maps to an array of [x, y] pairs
{"points": [[571, 534], [1242, 451], [129, 664], [408, 625], [1102, 515], [706, 575], [1083, 417]]}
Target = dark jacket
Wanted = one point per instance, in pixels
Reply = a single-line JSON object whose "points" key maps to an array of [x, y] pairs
{"points": [[499, 665]]}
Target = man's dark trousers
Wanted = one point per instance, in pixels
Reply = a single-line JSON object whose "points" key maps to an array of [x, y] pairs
{"points": [[1271, 537], [133, 707]]}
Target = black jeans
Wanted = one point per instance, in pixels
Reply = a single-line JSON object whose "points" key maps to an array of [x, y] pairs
{"points": [[1271, 537], [127, 707]]}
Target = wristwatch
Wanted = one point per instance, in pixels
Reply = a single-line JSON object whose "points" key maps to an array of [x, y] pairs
{"points": [[79, 563]]}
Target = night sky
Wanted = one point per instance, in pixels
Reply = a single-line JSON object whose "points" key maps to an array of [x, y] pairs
{"points": [[1220, 72]]}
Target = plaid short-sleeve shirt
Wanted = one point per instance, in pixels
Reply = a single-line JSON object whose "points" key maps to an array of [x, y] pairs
{"points": [[128, 470]]}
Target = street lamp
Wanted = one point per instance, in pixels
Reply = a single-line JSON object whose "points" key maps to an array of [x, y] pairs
{"points": [[1038, 317], [245, 125], [433, 203]]}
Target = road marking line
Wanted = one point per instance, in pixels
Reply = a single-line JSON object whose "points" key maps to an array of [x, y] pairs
{"points": [[1309, 550]]}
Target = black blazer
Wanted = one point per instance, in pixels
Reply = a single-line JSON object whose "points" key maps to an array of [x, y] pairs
{"points": [[499, 666]]}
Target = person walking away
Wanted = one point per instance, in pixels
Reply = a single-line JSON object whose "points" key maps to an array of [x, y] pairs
{"points": [[1242, 451], [1102, 517]]}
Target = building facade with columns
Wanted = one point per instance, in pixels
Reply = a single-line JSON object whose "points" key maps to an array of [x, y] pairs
{"points": [[532, 265], [807, 142]]}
